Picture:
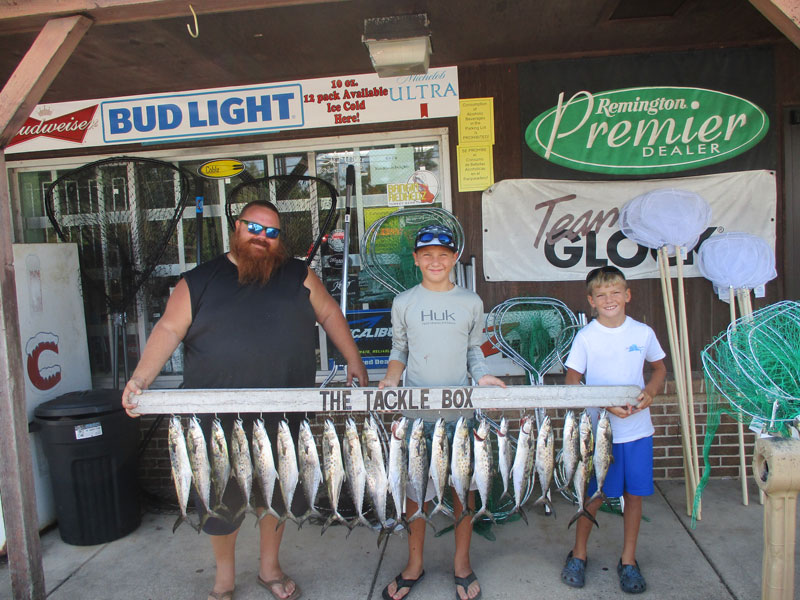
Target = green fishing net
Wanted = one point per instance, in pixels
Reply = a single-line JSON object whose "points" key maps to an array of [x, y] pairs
{"points": [[534, 332], [752, 373]]}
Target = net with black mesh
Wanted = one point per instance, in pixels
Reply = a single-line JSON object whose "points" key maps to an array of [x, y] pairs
{"points": [[307, 206], [121, 212]]}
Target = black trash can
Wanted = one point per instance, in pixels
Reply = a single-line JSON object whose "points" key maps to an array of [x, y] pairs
{"points": [[91, 446]]}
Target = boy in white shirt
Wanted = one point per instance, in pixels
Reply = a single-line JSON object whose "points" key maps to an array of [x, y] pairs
{"points": [[612, 350]]}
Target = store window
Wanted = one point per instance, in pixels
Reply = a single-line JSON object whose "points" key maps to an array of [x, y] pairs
{"points": [[386, 165]]}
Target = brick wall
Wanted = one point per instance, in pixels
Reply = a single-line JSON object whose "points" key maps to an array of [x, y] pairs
{"points": [[155, 476]]}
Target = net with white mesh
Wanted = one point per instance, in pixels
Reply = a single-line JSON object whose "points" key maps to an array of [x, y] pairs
{"points": [[665, 217], [736, 260]]}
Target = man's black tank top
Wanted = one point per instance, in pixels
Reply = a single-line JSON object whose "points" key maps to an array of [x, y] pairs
{"points": [[249, 336]]}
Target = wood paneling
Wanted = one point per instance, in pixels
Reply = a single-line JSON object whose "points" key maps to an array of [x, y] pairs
{"points": [[707, 316]]}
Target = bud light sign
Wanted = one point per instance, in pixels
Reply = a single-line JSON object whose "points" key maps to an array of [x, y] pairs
{"points": [[646, 130], [245, 110]]}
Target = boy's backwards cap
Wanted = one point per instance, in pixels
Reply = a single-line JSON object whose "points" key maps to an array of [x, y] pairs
{"points": [[435, 235]]}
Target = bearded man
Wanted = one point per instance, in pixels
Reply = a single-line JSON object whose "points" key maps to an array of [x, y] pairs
{"points": [[247, 319]]}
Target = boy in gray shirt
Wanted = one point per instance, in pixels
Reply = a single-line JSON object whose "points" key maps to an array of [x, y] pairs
{"points": [[436, 337]]}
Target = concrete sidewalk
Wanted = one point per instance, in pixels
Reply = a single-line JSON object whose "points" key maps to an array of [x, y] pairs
{"points": [[720, 559]]}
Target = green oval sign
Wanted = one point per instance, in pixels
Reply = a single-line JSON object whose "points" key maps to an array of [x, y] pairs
{"points": [[646, 130]]}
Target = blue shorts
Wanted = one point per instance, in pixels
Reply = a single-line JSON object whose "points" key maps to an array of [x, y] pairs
{"points": [[631, 471]]}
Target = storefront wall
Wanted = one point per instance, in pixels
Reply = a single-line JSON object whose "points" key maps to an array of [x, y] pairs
{"points": [[707, 315]]}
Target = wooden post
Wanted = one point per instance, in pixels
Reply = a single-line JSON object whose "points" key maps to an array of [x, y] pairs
{"points": [[21, 93], [16, 465], [740, 426], [680, 379]]}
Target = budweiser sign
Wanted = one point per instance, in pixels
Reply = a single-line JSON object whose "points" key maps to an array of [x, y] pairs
{"points": [[71, 127]]}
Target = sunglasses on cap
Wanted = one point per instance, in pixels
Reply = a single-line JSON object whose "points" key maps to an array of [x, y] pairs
{"points": [[428, 236], [257, 228]]}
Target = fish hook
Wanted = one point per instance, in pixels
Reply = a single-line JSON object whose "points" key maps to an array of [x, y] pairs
{"points": [[196, 33]]}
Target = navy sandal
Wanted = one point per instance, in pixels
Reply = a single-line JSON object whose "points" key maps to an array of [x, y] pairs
{"points": [[574, 571], [402, 583], [465, 582], [630, 578]]}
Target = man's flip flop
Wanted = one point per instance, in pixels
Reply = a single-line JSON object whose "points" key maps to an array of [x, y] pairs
{"points": [[402, 583], [465, 582], [221, 595], [282, 581]]}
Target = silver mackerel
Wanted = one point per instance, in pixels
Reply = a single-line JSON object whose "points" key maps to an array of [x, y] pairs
{"points": [[310, 470], [264, 467]]}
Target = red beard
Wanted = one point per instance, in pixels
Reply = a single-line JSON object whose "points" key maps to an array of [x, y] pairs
{"points": [[256, 259]]}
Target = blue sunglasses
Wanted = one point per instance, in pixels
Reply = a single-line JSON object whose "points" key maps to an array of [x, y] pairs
{"points": [[257, 228], [428, 237]]}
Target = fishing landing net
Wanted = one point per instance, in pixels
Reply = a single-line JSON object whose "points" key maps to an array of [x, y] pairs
{"points": [[752, 373], [535, 333], [388, 244], [672, 221], [736, 260], [665, 217], [307, 206], [122, 213]]}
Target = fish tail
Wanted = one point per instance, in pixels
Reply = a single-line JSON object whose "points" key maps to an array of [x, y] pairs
{"points": [[464, 514], [269, 511], [304, 517], [284, 517], [430, 522], [546, 501], [334, 517], [181, 518], [419, 514], [385, 531], [582, 513], [599, 494], [202, 522], [482, 512], [521, 512], [360, 519], [441, 508]]}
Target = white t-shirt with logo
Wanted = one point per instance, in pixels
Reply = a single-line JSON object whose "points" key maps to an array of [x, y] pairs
{"points": [[616, 356]]}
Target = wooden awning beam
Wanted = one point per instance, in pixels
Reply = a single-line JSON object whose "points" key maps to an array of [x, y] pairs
{"points": [[30, 15], [37, 70], [784, 15]]}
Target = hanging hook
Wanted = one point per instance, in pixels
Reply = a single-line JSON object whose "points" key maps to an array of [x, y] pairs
{"points": [[196, 33]]}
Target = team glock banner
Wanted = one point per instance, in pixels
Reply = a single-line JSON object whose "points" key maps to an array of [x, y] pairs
{"points": [[555, 230]]}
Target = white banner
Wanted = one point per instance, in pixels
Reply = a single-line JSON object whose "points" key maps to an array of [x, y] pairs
{"points": [[245, 110], [555, 230]]}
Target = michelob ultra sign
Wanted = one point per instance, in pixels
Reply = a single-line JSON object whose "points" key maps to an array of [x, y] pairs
{"points": [[646, 130]]}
